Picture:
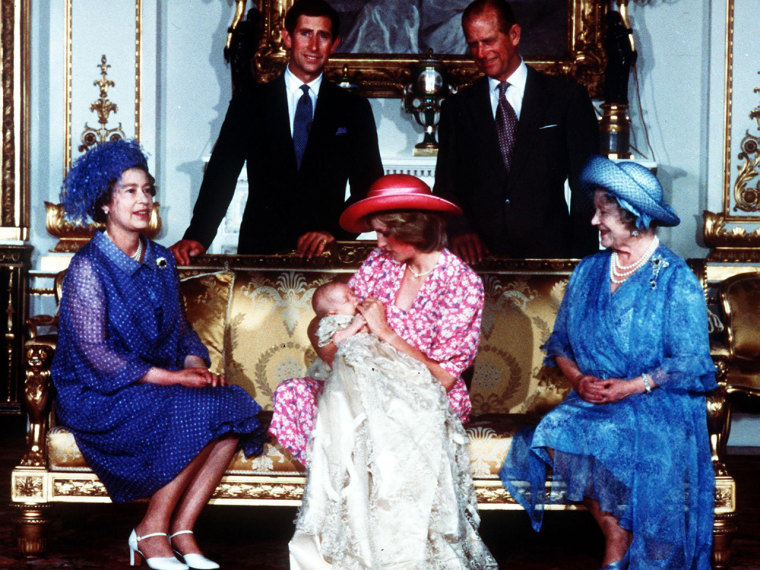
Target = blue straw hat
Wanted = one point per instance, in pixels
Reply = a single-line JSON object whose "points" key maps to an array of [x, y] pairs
{"points": [[95, 172], [631, 183]]}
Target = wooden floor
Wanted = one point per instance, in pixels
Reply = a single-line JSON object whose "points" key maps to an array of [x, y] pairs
{"points": [[95, 536]]}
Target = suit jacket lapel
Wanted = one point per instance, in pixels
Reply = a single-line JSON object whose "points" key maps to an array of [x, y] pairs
{"points": [[323, 123], [531, 115], [276, 111], [481, 115]]}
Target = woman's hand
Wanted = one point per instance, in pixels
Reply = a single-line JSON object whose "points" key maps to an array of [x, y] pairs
{"points": [[195, 377], [374, 313], [605, 391], [590, 388], [198, 378]]}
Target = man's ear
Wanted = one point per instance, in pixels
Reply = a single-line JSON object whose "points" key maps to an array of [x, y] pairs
{"points": [[514, 34], [335, 44], [287, 39]]}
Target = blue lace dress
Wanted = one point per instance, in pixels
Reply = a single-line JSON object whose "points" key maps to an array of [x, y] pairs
{"points": [[118, 318], [646, 459]]}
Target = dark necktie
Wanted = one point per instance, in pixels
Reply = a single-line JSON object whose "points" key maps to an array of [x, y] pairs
{"points": [[506, 125], [302, 124]]}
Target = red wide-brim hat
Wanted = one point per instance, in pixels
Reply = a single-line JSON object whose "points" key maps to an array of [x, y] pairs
{"points": [[394, 192]]}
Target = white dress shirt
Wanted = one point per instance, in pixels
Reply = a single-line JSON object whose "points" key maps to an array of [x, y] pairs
{"points": [[515, 91], [294, 92]]}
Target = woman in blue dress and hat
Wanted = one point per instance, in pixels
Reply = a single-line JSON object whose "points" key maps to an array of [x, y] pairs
{"points": [[132, 376], [630, 441]]}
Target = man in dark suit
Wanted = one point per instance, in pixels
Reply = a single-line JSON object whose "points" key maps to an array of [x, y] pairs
{"points": [[302, 138], [512, 190]]}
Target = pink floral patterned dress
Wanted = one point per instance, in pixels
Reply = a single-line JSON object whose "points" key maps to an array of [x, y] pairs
{"points": [[443, 323]]}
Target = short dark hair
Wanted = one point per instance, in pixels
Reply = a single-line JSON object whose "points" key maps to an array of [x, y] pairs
{"points": [[97, 213], [312, 8], [504, 13], [424, 230]]}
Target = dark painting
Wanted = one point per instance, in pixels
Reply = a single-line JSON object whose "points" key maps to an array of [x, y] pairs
{"points": [[415, 26]]}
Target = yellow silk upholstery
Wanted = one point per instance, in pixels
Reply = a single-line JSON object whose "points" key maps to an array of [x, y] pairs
{"points": [[206, 304], [267, 338], [490, 436], [63, 453], [518, 317], [254, 324], [742, 296]]}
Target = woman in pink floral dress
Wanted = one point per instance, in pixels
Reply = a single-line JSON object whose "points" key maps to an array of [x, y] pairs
{"points": [[427, 304]]}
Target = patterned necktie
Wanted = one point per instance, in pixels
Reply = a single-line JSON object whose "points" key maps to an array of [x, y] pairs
{"points": [[302, 124], [506, 125]]}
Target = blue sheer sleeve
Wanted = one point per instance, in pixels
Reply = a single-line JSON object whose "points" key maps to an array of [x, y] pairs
{"points": [[99, 359], [686, 366]]}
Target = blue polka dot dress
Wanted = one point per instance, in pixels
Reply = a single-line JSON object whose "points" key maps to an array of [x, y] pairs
{"points": [[119, 318]]}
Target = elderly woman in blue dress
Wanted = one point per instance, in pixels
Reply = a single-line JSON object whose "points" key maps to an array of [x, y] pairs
{"points": [[132, 376], [630, 441]]}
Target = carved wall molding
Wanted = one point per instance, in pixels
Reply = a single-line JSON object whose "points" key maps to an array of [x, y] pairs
{"points": [[733, 234], [729, 240], [69, 73], [14, 91], [102, 107]]}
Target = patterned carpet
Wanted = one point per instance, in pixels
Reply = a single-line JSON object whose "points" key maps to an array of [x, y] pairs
{"points": [[95, 536]]}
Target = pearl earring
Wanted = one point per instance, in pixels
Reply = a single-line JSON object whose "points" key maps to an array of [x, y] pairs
{"points": [[635, 233], [105, 211]]}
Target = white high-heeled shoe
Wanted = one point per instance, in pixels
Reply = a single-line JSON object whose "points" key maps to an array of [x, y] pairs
{"points": [[156, 563], [193, 560]]}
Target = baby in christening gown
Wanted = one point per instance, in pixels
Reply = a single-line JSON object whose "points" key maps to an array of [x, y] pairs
{"points": [[389, 481]]}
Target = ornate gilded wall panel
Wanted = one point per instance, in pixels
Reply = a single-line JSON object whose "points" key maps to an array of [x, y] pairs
{"points": [[88, 48], [733, 234], [14, 92]]}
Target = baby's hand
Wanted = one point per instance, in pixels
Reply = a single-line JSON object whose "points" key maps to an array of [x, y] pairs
{"points": [[359, 324]]}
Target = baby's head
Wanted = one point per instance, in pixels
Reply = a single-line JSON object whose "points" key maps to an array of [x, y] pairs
{"points": [[334, 298]]}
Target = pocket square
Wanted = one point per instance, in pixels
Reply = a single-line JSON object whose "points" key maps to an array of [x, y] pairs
{"points": [[547, 126], [341, 131]]}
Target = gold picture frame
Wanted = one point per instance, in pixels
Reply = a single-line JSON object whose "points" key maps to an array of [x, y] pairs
{"points": [[385, 75]]}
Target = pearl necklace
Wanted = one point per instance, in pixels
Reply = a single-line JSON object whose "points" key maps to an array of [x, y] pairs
{"points": [[423, 273], [419, 275], [137, 255], [619, 273]]}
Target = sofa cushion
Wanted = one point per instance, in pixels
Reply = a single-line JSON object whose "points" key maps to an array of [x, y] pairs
{"points": [[207, 297], [490, 436], [63, 453], [518, 317], [270, 312]]}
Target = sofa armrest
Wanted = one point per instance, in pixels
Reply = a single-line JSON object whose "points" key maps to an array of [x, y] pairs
{"points": [[38, 396], [37, 324]]}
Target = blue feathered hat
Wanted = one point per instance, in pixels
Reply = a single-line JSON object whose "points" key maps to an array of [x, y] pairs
{"points": [[633, 185], [95, 172]]}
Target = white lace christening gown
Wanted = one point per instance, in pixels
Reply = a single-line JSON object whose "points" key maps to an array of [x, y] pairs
{"points": [[389, 482]]}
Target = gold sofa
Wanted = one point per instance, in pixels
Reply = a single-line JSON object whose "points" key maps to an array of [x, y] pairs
{"points": [[252, 312]]}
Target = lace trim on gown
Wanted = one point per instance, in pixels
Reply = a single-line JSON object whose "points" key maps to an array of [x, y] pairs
{"points": [[389, 482]]}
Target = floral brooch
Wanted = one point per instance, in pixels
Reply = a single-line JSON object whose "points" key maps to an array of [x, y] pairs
{"points": [[658, 263]]}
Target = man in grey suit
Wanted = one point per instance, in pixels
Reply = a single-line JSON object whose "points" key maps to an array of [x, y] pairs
{"points": [[302, 138], [506, 151]]}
